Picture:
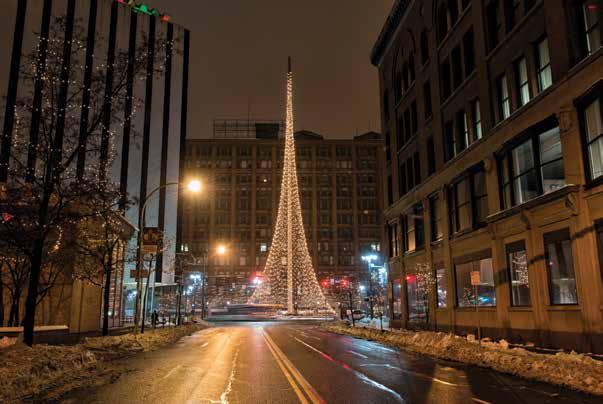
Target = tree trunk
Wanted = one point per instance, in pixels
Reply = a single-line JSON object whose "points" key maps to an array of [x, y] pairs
{"points": [[32, 290], [13, 317], [106, 296]]}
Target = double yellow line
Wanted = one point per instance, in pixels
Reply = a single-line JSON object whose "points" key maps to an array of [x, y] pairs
{"points": [[304, 391]]}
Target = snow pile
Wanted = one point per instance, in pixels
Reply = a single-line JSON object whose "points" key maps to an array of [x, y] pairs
{"points": [[26, 372], [131, 343], [573, 370]]}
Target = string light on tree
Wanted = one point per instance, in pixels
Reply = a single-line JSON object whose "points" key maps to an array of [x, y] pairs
{"points": [[289, 279]]}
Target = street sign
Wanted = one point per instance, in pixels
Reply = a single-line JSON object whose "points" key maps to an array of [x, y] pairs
{"points": [[475, 278], [143, 273], [151, 240]]}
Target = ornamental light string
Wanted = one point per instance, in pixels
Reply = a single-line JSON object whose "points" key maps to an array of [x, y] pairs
{"points": [[290, 280]]}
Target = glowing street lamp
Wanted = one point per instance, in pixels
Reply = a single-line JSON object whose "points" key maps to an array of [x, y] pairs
{"points": [[221, 250], [194, 186]]}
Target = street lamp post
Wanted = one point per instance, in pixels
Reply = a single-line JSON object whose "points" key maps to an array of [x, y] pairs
{"points": [[369, 260], [194, 186]]}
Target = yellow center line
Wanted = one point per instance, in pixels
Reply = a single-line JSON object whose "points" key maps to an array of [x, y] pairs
{"points": [[291, 373]]}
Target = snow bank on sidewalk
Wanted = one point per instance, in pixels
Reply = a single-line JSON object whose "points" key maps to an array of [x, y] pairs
{"points": [[579, 372], [25, 371]]}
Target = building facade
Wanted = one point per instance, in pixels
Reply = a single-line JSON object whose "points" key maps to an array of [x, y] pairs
{"points": [[144, 127], [491, 112], [340, 196]]}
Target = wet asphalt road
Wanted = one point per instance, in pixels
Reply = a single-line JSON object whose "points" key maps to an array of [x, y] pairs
{"points": [[295, 362]]}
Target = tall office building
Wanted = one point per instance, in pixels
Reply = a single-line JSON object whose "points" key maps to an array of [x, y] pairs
{"points": [[340, 191], [492, 118], [146, 125]]}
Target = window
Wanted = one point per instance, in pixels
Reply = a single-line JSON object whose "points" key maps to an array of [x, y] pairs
{"points": [[407, 126], [388, 148], [545, 78], [431, 164], [450, 147], [417, 290], [560, 268], [443, 22], [477, 120], [517, 262], [424, 48], [463, 130], [415, 228], [592, 32], [427, 100], [435, 218], [397, 299], [457, 67], [417, 168], [592, 117], [466, 292], [393, 239], [504, 102], [445, 79], [494, 24], [469, 200], [533, 167], [414, 118], [469, 52], [402, 187], [513, 13], [411, 69], [440, 277], [523, 85]]}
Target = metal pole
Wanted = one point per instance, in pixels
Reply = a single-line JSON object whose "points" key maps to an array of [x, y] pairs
{"points": [[479, 328], [203, 297], [351, 307], [139, 256]]}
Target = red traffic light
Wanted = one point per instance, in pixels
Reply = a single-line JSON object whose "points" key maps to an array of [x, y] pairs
{"points": [[325, 283]]}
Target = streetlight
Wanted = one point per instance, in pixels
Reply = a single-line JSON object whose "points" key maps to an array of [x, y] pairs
{"points": [[193, 186], [221, 250], [369, 260]]}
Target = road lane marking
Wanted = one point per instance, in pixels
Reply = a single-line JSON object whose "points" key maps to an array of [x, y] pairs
{"points": [[358, 374], [286, 363], [477, 400], [358, 354], [224, 396], [171, 372], [420, 375], [298, 393], [204, 345]]}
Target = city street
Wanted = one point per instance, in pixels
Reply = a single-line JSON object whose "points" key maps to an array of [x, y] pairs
{"points": [[298, 362]]}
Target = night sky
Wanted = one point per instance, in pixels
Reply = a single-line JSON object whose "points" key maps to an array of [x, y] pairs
{"points": [[239, 58]]}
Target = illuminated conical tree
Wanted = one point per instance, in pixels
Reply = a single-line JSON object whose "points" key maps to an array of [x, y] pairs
{"points": [[289, 277]]}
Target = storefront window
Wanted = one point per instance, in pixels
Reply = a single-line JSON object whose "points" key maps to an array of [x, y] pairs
{"points": [[397, 300], [465, 291], [560, 268], [417, 291], [517, 260], [441, 287]]}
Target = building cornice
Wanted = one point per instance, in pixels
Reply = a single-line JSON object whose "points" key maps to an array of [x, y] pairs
{"points": [[389, 29]]}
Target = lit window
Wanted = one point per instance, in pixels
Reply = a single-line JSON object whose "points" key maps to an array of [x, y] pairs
{"points": [[503, 98], [417, 289], [532, 168], [592, 33], [545, 77], [466, 291], [592, 116], [521, 70], [477, 120], [517, 261], [560, 268], [441, 286]]}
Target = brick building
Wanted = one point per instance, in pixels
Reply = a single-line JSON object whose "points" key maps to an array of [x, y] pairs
{"points": [[491, 112], [340, 195]]}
